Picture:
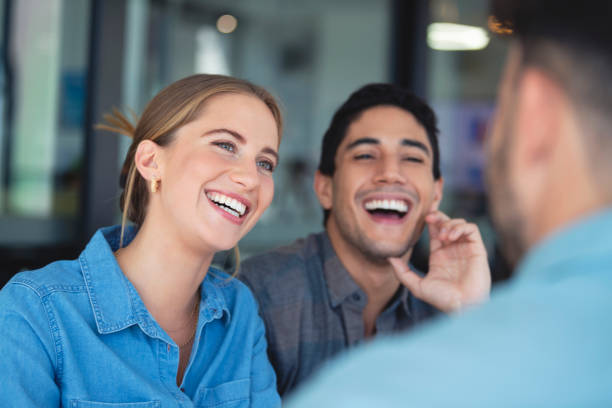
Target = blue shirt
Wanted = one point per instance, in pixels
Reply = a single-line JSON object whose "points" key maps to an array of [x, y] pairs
{"points": [[544, 340], [77, 334]]}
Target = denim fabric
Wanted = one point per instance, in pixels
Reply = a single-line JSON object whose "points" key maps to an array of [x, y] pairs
{"points": [[542, 341], [313, 309], [77, 334]]}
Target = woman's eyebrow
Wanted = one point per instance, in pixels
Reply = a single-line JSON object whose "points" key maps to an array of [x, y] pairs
{"points": [[242, 140], [271, 152], [237, 135]]}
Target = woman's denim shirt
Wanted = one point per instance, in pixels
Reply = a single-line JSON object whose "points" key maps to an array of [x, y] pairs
{"points": [[76, 334]]}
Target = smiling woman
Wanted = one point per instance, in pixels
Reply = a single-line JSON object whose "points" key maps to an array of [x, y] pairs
{"points": [[142, 301]]}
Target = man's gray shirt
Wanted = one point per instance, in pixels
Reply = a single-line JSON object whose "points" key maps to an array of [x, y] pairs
{"points": [[312, 308]]}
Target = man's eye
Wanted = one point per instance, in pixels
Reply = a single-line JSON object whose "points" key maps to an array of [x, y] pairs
{"points": [[364, 156], [230, 147], [266, 165], [413, 159]]}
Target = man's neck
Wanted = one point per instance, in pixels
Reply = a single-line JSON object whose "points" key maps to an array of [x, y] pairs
{"points": [[374, 276]]}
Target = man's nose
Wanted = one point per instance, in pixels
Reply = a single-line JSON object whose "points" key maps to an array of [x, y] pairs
{"points": [[389, 171]]}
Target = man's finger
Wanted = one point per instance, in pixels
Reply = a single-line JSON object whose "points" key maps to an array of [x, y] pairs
{"points": [[469, 231], [406, 276], [434, 220], [446, 226], [436, 217]]}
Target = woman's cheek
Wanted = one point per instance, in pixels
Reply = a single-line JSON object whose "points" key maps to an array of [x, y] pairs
{"points": [[268, 185]]}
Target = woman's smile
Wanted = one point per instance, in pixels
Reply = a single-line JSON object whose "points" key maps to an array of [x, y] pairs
{"points": [[232, 206]]}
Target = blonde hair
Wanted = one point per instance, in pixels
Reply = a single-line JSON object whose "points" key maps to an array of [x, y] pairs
{"points": [[173, 107]]}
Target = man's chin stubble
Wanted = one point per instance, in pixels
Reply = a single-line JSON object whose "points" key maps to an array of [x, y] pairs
{"points": [[380, 256]]}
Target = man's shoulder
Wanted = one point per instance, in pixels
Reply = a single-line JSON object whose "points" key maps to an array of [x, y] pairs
{"points": [[285, 260], [521, 336], [290, 267]]}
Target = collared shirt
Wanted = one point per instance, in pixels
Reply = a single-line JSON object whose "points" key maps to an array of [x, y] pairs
{"points": [[313, 309], [77, 334], [542, 341]]}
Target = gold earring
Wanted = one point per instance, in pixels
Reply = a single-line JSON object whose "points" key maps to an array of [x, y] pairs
{"points": [[154, 185]]}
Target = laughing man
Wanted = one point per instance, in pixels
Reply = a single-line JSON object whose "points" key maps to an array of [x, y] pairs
{"points": [[379, 184]]}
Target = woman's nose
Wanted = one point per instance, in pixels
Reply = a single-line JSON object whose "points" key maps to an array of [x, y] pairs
{"points": [[245, 174]]}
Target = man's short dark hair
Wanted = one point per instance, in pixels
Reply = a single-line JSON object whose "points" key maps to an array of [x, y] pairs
{"points": [[571, 41], [367, 97], [370, 96]]}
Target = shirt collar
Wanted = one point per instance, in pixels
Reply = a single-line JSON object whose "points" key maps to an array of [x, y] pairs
{"points": [[213, 304], [340, 283], [403, 299], [114, 300], [584, 238]]}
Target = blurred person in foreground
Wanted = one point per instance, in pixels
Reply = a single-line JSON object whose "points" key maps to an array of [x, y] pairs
{"points": [[140, 318], [543, 339], [379, 184]]}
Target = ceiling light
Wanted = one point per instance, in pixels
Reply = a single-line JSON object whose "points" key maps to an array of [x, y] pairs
{"points": [[456, 37], [227, 23]]}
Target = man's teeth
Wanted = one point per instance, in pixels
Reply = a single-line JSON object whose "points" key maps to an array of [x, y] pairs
{"points": [[395, 205], [231, 205]]}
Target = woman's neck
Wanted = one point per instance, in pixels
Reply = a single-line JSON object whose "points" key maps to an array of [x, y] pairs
{"points": [[165, 272]]}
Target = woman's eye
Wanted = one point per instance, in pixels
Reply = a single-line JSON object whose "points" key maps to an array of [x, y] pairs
{"points": [[230, 147], [266, 165]]}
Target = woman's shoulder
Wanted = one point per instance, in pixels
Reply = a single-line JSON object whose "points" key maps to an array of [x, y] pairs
{"points": [[67, 275], [62, 275], [29, 296]]}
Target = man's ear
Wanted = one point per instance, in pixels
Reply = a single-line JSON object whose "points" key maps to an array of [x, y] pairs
{"points": [[437, 194], [323, 189], [539, 118], [146, 158]]}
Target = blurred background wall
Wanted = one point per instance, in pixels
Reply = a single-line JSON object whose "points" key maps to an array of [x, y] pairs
{"points": [[64, 63]]}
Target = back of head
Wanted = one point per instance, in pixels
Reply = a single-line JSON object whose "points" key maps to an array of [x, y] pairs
{"points": [[573, 24], [571, 41]]}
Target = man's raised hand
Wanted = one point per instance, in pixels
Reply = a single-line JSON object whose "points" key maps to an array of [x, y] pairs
{"points": [[459, 273]]}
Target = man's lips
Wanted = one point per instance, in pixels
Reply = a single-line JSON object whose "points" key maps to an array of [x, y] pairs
{"points": [[387, 209]]}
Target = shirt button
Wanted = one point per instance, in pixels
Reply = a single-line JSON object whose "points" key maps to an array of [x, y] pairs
{"points": [[182, 389], [356, 297], [168, 348]]}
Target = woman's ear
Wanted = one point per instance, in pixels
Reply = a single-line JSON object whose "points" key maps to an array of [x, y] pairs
{"points": [[146, 158]]}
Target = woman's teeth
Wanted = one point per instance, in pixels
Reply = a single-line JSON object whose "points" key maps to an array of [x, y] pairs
{"points": [[228, 204]]}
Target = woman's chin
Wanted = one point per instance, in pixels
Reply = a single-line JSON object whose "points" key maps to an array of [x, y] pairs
{"points": [[221, 245]]}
